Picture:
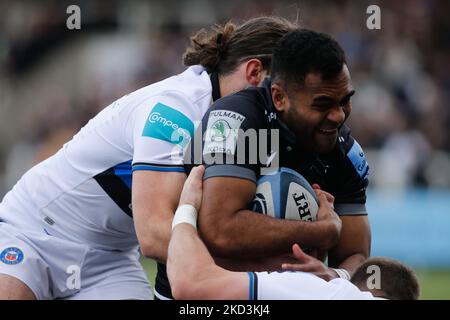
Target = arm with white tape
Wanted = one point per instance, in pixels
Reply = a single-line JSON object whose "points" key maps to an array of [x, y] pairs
{"points": [[185, 213], [191, 269]]}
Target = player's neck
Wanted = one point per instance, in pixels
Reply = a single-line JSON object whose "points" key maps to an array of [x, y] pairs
{"points": [[225, 85], [231, 83]]}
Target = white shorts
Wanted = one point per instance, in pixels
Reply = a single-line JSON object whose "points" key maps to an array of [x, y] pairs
{"points": [[54, 268]]}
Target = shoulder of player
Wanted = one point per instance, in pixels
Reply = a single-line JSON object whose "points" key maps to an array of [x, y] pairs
{"points": [[181, 92], [166, 101], [166, 108], [248, 104], [194, 83]]}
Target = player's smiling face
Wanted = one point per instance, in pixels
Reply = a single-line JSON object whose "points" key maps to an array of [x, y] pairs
{"points": [[317, 110]]}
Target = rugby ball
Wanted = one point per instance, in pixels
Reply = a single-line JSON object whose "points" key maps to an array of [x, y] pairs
{"points": [[285, 194]]}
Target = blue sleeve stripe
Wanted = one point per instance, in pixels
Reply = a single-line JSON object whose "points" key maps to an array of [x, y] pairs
{"points": [[250, 287], [155, 168]]}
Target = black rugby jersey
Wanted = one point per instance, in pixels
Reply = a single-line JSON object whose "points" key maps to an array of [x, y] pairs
{"points": [[343, 172]]}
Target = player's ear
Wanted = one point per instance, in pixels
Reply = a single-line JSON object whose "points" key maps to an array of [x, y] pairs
{"points": [[279, 98], [254, 72]]}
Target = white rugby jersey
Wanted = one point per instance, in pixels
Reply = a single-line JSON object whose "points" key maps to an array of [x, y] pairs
{"points": [[302, 286], [83, 192]]}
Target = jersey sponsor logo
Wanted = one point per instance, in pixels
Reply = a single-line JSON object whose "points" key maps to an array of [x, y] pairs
{"points": [[222, 132], [225, 114], [167, 124], [356, 156], [11, 256]]}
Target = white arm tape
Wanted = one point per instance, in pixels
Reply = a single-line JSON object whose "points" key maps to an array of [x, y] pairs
{"points": [[185, 214], [342, 273]]}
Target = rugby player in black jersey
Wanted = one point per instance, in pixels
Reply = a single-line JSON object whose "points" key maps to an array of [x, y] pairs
{"points": [[308, 99]]}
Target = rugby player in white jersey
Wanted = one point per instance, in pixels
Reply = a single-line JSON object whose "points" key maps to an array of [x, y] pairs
{"points": [[193, 273], [71, 226]]}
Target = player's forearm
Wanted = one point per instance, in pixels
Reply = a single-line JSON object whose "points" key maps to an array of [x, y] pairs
{"points": [[187, 251], [351, 263], [155, 197], [154, 239], [354, 244], [187, 259], [250, 235]]}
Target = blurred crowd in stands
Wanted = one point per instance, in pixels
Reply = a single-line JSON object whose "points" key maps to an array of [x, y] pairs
{"points": [[53, 80]]}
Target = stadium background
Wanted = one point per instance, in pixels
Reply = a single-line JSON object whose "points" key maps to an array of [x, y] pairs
{"points": [[53, 80]]}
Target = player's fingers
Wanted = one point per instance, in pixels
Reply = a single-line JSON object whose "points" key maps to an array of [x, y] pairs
{"points": [[195, 178], [192, 189], [326, 201], [317, 192], [299, 254], [323, 201], [197, 174], [310, 258], [329, 196], [315, 186], [307, 267]]}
